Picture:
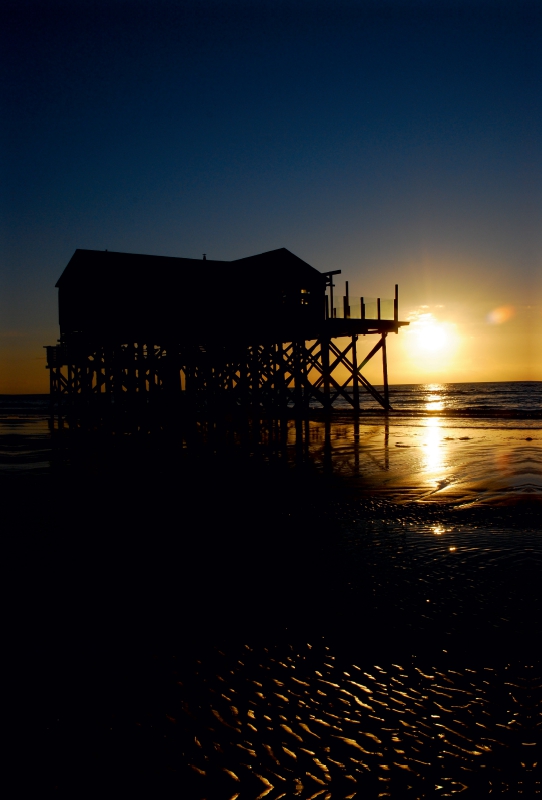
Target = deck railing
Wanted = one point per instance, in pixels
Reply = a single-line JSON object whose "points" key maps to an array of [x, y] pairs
{"points": [[372, 308]]}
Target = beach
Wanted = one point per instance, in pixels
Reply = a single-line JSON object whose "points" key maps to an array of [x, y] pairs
{"points": [[331, 607]]}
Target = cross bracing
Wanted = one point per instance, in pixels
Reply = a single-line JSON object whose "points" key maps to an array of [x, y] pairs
{"points": [[140, 385]]}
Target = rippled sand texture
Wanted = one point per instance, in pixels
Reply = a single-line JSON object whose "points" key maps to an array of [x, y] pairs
{"points": [[392, 658], [300, 721], [430, 460]]}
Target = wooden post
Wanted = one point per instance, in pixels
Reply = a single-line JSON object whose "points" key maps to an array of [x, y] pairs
{"points": [[328, 461], [355, 380], [356, 444], [385, 371], [279, 393], [61, 389], [362, 307], [297, 379], [378, 308], [305, 377], [396, 307], [52, 396], [243, 379], [386, 444], [324, 360]]}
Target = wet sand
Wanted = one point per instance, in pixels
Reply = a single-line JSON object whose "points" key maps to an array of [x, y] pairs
{"points": [[436, 459], [207, 630], [432, 459]]}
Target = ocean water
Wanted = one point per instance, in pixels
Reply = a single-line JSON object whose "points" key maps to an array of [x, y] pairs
{"points": [[25, 440], [349, 609], [491, 399]]}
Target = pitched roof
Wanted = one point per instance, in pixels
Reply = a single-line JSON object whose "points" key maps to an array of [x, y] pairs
{"points": [[108, 267]]}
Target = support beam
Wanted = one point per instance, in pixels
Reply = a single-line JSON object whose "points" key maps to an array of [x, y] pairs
{"points": [[355, 376], [385, 371]]}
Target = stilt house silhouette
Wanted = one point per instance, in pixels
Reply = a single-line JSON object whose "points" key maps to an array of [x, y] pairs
{"points": [[143, 337]]}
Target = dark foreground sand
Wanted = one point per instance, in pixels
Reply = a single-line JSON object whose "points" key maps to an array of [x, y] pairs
{"points": [[228, 626]]}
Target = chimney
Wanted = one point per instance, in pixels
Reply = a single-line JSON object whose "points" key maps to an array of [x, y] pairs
{"points": [[205, 256]]}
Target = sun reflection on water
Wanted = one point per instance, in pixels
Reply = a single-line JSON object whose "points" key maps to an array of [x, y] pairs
{"points": [[434, 401], [434, 405], [433, 454]]}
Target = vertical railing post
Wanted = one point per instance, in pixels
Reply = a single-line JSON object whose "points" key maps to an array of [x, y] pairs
{"points": [[396, 307], [346, 303]]}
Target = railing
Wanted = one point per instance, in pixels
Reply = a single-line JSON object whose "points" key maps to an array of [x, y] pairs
{"points": [[372, 308], [364, 308]]}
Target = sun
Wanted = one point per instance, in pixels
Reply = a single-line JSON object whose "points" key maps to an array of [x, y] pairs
{"points": [[431, 336], [430, 340], [431, 346]]}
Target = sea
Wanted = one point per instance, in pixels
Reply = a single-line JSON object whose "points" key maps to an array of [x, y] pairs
{"points": [[337, 609]]}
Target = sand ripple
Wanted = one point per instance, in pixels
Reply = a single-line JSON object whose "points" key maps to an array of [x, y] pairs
{"points": [[300, 721]]}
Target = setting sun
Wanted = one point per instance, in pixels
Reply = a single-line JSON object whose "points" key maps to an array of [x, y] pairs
{"points": [[431, 348], [431, 335]]}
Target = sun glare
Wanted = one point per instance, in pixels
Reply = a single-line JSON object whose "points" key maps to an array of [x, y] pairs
{"points": [[430, 335], [430, 343], [430, 347]]}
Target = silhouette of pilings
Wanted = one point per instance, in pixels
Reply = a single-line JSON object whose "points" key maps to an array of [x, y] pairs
{"points": [[283, 377], [144, 386]]}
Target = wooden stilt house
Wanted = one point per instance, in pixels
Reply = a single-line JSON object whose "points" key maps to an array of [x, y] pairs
{"points": [[146, 337]]}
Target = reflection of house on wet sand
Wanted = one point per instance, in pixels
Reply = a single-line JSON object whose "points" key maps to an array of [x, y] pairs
{"points": [[143, 338]]}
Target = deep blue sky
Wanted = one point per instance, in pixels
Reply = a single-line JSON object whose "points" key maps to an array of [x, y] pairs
{"points": [[397, 141]]}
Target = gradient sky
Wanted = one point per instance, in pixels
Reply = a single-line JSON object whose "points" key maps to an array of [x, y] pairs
{"points": [[397, 141]]}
